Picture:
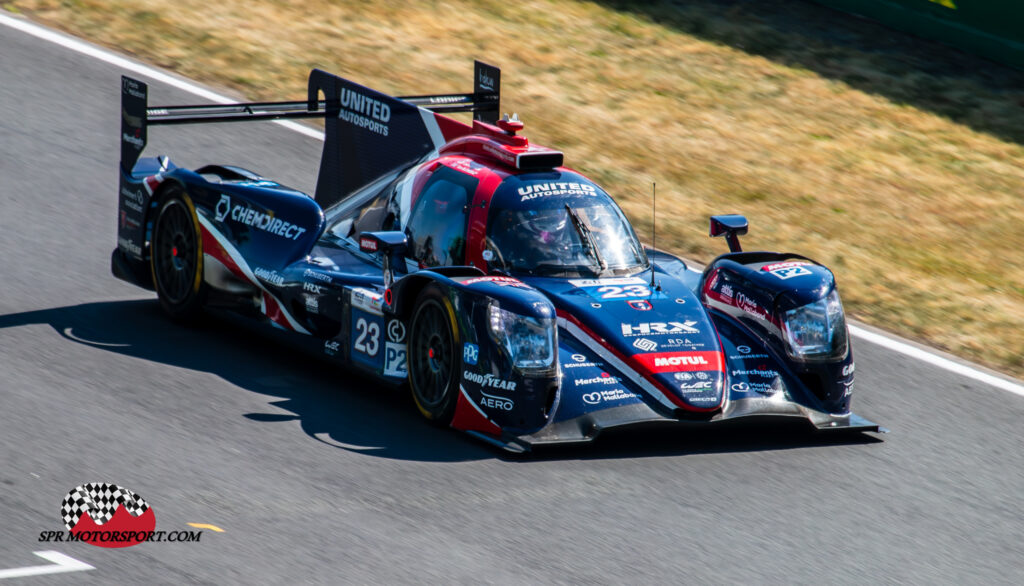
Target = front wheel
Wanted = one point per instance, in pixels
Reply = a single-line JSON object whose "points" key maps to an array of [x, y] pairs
{"points": [[433, 358], [176, 257]]}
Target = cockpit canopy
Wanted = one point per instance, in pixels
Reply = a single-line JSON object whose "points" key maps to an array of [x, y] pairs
{"points": [[558, 223]]}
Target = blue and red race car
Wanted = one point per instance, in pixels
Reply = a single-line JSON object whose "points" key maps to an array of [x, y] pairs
{"points": [[509, 292]]}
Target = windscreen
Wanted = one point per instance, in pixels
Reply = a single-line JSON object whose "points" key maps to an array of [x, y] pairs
{"points": [[558, 223]]}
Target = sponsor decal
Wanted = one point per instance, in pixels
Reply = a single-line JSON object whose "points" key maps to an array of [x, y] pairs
{"points": [[578, 361], [366, 300], [499, 154], [763, 373], [681, 342], [486, 82], [683, 376], [316, 275], [726, 291], [331, 347], [645, 345], [680, 361], [703, 376], [750, 306], [133, 200], [129, 245], [604, 379], [847, 389], [697, 387], [495, 402], [396, 331], [749, 357], [656, 328], [129, 221], [223, 207], [762, 388], [641, 305], [132, 140], [131, 87], [364, 111], [606, 396], [395, 360], [470, 353], [788, 270], [503, 281], [312, 304], [488, 380], [269, 276], [535, 190], [368, 245], [312, 288], [848, 369], [261, 221], [487, 254], [743, 349], [619, 281]]}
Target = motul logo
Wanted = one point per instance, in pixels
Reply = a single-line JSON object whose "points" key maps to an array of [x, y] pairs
{"points": [[681, 361]]}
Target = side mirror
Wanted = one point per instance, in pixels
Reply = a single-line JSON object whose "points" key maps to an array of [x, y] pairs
{"points": [[732, 226], [392, 246]]}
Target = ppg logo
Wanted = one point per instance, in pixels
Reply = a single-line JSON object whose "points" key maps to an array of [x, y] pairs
{"points": [[470, 353]]}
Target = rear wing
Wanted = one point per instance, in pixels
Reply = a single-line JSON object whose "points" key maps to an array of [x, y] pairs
{"points": [[366, 133]]}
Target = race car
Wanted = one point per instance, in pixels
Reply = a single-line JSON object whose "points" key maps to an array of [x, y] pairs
{"points": [[507, 291]]}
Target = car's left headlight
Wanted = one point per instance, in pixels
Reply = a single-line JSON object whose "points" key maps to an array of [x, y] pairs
{"points": [[529, 341], [816, 331]]}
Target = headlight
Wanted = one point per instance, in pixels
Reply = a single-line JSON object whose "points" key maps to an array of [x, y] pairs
{"points": [[816, 331], [529, 341]]}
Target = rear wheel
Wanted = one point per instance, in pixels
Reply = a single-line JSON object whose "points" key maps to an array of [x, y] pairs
{"points": [[433, 357], [176, 257]]}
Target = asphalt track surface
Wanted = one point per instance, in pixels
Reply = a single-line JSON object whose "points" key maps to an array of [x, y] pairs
{"points": [[317, 476]]}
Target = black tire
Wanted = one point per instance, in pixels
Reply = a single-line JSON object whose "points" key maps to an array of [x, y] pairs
{"points": [[176, 257], [434, 356]]}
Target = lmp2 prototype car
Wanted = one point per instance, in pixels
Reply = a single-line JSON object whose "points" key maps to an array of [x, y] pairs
{"points": [[507, 291]]}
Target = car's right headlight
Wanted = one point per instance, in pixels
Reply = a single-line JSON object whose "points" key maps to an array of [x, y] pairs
{"points": [[528, 341], [816, 331]]}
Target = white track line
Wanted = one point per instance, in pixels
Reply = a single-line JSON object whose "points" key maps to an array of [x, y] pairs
{"points": [[60, 563], [84, 48]]}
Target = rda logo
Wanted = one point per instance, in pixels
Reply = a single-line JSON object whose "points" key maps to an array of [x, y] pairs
{"points": [[107, 515]]}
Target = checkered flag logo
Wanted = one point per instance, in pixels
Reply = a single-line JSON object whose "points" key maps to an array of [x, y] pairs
{"points": [[99, 500]]}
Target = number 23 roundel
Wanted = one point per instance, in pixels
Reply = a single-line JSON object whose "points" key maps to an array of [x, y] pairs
{"points": [[365, 334]]}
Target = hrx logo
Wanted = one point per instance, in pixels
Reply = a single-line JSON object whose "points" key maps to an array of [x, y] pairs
{"points": [[655, 328]]}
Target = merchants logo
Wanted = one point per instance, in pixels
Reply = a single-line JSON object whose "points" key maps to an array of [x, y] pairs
{"points": [[107, 515]]}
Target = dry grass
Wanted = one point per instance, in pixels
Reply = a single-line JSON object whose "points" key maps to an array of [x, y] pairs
{"points": [[919, 216]]}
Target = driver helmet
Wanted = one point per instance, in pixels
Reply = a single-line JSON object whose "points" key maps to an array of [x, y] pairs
{"points": [[546, 226]]}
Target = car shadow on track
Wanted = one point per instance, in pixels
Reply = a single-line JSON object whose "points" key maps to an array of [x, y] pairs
{"points": [[333, 405], [728, 437], [349, 411]]}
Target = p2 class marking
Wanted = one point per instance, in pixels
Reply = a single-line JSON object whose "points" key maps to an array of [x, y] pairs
{"points": [[60, 564]]}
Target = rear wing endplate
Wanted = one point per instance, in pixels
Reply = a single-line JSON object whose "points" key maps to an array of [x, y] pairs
{"points": [[353, 115]]}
